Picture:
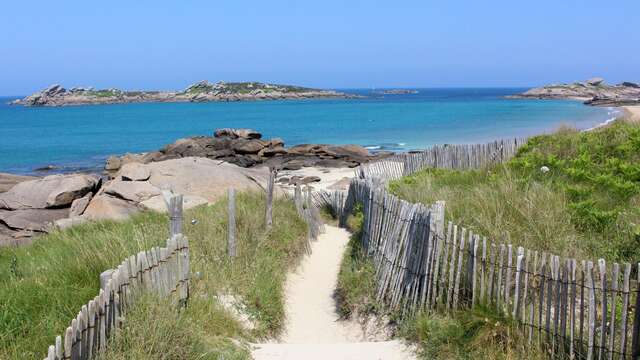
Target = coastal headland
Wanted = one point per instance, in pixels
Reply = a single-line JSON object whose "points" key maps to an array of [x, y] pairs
{"points": [[594, 91], [202, 91]]}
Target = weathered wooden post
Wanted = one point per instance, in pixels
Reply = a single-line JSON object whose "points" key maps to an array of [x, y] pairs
{"points": [[231, 238], [104, 278], [635, 334], [439, 218], [297, 198], [175, 207], [270, 185]]}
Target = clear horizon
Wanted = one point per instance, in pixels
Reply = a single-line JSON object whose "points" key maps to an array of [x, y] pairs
{"points": [[410, 44]]}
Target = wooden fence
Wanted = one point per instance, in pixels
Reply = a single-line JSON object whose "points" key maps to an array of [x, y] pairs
{"points": [[580, 309], [307, 208], [160, 270], [463, 156]]}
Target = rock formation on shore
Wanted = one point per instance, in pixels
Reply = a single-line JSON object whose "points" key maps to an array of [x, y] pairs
{"points": [[246, 148], [32, 206], [202, 91], [201, 168], [38, 206], [593, 92]]}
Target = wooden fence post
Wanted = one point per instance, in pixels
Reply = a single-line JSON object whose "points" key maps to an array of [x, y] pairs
{"points": [[174, 205], [104, 278], [635, 335], [231, 227], [269, 206]]}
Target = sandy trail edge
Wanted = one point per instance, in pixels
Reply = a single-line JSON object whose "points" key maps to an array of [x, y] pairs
{"points": [[313, 329], [633, 111]]}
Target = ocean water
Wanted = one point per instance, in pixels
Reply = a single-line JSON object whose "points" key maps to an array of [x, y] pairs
{"points": [[82, 137]]}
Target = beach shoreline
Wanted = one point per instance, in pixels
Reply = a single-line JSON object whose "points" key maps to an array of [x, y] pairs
{"points": [[404, 123], [632, 112]]}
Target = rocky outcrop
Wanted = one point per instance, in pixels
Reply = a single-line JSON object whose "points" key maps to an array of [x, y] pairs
{"points": [[106, 207], [33, 206], [593, 92], [202, 91], [37, 220], [199, 180], [7, 181], [246, 148], [53, 191]]}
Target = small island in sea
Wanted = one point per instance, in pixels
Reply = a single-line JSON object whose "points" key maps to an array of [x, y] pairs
{"points": [[203, 91], [397, 91], [593, 92]]}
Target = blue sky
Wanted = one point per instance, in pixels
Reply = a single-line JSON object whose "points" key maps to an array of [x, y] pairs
{"points": [[334, 44]]}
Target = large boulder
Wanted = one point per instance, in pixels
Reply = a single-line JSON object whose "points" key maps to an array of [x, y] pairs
{"points": [[243, 146], [272, 151], [113, 163], [78, 206], [204, 177], [595, 81], [7, 181], [32, 219], [103, 206], [52, 191], [133, 172], [237, 133], [304, 149], [136, 191], [353, 151], [194, 146]]}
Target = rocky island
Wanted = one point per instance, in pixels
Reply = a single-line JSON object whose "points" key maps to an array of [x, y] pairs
{"points": [[398, 92], [202, 91], [592, 92]]}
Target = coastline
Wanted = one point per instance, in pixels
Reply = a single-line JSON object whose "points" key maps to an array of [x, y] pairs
{"points": [[633, 112], [623, 113], [297, 122]]}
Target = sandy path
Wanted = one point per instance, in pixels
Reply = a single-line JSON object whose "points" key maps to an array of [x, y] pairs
{"points": [[634, 112], [313, 329]]}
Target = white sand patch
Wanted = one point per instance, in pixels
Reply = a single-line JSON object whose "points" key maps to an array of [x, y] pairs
{"points": [[313, 329], [330, 178]]}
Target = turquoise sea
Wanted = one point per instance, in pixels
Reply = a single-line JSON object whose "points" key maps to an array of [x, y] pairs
{"points": [[81, 137]]}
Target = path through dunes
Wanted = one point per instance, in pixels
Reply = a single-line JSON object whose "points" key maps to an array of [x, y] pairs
{"points": [[313, 329]]}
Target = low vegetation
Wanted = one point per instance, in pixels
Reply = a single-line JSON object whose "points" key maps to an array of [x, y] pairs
{"points": [[571, 193], [42, 286], [356, 279], [479, 333]]}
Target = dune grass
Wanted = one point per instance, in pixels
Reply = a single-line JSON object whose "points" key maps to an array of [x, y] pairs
{"points": [[355, 291], [584, 206], [478, 333], [42, 286]]}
